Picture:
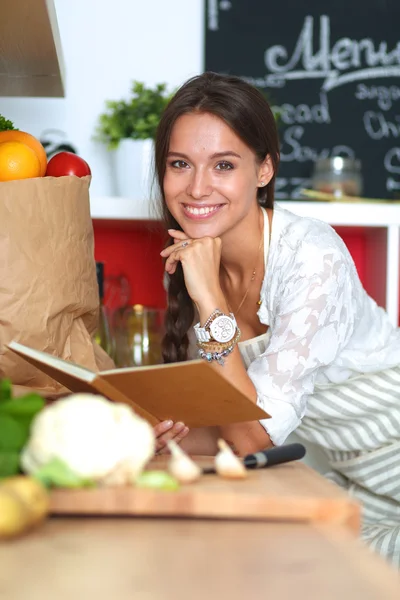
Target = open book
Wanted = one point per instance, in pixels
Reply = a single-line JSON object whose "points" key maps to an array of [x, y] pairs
{"points": [[192, 392]]}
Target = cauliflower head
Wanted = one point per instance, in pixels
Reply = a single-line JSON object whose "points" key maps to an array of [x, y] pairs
{"points": [[98, 439]]}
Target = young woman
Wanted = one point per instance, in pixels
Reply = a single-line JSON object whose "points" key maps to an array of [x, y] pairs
{"points": [[273, 301]]}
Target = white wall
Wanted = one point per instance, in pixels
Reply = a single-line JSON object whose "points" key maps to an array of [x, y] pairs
{"points": [[106, 44]]}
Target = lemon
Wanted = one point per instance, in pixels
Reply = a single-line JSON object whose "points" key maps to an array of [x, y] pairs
{"points": [[14, 517], [32, 494]]}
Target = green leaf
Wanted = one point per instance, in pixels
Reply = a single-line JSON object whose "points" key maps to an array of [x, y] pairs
{"points": [[9, 464], [13, 435], [56, 473], [25, 424], [5, 124], [5, 390], [25, 406], [157, 480]]}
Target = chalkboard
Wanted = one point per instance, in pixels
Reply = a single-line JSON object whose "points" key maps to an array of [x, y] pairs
{"points": [[332, 67]]}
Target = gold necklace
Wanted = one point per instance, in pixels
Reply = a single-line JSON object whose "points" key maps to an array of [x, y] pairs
{"points": [[253, 276]]}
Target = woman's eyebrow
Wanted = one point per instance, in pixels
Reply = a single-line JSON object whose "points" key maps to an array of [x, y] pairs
{"points": [[226, 153], [215, 155]]}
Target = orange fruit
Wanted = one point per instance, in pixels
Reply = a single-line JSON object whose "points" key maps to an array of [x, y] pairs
{"points": [[13, 135], [17, 161]]}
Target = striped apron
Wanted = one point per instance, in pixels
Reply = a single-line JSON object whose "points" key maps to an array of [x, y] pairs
{"points": [[357, 425]]}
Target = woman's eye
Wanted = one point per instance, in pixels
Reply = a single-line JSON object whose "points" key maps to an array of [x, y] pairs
{"points": [[179, 164], [224, 166]]}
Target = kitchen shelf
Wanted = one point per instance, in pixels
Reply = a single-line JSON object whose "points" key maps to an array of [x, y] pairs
{"points": [[381, 219], [116, 207], [357, 214], [31, 62]]}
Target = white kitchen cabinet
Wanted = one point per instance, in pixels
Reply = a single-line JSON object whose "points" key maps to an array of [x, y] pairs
{"points": [[31, 62], [381, 221]]}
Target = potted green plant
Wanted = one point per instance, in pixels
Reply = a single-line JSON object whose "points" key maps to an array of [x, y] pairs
{"points": [[128, 128]]}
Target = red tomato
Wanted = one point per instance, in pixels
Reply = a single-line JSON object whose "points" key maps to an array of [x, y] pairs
{"points": [[67, 163]]}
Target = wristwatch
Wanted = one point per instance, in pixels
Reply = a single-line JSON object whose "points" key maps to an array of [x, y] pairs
{"points": [[219, 327]]}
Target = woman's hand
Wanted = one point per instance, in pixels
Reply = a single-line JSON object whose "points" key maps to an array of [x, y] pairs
{"points": [[167, 430], [200, 259]]}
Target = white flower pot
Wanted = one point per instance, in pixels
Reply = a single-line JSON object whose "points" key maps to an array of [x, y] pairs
{"points": [[133, 172]]}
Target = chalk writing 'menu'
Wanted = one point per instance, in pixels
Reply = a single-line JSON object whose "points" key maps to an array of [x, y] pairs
{"points": [[371, 59]]}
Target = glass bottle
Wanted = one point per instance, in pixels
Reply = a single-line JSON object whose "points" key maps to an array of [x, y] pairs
{"points": [[102, 335], [138, 334], [338, 176]]}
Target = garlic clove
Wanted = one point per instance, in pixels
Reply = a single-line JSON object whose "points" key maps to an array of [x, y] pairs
{"points": [[227, 464], [181, 466]]}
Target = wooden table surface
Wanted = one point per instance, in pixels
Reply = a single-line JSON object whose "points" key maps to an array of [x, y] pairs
{"points": [[160, 559], [285, 553]]}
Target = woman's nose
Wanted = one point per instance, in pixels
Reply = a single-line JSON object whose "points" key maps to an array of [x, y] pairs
{"points": [[199, 185]]}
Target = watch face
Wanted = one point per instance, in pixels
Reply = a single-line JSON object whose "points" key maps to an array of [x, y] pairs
{"points": [[222, 329]]}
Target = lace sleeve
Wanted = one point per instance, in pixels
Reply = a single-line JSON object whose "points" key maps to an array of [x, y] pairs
{"points": [[313, 319]]}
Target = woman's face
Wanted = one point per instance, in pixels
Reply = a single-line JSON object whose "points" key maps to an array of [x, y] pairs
{"points": [[211, 176]]}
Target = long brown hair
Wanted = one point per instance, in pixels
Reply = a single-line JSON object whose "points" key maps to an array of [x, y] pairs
{"points": [[248, 114]]}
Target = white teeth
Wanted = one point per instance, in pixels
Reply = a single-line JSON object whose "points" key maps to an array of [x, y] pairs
{"points": [[204, 210]]}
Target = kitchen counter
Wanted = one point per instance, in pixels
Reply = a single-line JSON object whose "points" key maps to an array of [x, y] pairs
{"points": [[285, 532], [181, 559]]}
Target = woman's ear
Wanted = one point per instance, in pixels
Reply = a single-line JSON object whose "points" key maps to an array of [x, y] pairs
{"points": [[265, 171]]}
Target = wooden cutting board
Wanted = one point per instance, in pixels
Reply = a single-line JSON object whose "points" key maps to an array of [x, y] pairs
{"points": [[288, 492]]}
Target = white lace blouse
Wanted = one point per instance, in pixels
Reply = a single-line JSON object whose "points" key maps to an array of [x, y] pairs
{"points": [[323, 326]]}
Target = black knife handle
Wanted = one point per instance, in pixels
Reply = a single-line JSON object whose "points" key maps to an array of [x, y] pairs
{"points": [[274, 456]]}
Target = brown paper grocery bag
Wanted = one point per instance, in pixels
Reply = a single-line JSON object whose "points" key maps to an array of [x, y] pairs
{"points": [[48, 289]]}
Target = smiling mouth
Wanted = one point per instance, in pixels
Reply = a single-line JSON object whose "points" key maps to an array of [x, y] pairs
{"points": [[201, 211]]}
